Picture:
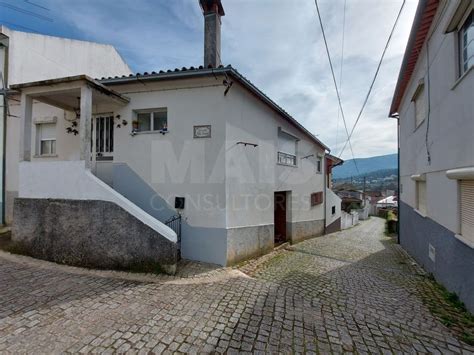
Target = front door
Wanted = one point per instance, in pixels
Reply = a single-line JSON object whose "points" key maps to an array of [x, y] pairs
{"points": [[280, 217], [103, 136]]}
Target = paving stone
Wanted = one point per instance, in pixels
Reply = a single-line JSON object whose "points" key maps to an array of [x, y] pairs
{"points": [[353, 291]]}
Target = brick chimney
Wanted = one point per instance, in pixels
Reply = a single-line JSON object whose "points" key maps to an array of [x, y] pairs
{"points": [[212, 10]]}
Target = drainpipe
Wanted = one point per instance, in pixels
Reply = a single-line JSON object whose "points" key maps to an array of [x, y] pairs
{"points": [[4, 45]]}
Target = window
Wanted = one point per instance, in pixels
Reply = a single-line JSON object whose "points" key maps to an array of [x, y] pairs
{"points": [[316, 198], [333, 210], [151, 120], [286, 149], [421, 197], [420, 105], [466, 44], [467, 209], [319, 165], [46, 138]]}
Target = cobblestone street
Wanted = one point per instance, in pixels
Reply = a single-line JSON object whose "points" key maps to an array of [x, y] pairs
{"points": [[353, 291]]}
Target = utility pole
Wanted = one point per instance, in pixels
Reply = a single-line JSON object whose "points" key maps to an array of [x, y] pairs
{"points": [[363, 194]]}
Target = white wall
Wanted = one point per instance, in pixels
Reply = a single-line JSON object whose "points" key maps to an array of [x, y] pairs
{"points": [[332, 200], [252, 173], [71, 180], [34, 57], [451, 126], [176, 164]]}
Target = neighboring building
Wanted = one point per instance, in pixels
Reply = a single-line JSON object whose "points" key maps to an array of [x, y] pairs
{"points": [[434, 105], [333, 202], [26, 57], [204, 143], [388, 202]]}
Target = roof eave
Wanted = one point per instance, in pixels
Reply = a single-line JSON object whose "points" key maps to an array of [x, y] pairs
{"points": [[399, 90], [183, 74]]}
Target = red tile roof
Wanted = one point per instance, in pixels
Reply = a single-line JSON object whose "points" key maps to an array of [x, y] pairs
{"points": [[423, 19]]}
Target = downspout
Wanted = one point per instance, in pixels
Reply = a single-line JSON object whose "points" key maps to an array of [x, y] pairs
{"points": [[4, 135], [399, 184]]}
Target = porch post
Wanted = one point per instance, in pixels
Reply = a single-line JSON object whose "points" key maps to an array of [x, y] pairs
{"points": [[25, 134], [85, 124]]}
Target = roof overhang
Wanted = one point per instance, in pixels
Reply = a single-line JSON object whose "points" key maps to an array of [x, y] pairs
{"points": [[334, 160], [425, 14], [63, 92], [205, 72]]}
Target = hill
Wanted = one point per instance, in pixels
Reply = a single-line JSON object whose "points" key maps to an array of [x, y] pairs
{"points": [[365, 165]]}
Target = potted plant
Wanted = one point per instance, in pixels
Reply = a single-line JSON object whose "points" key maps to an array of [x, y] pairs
{"points": [[135, 125]]}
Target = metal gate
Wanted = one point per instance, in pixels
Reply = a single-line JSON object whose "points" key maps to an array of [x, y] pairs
{"points": [[174, 223]]}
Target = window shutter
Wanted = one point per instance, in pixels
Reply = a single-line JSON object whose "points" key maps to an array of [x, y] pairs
{"points": [[421, 187], [316, 198], [286, 143], [467, 208], [48, 130]]}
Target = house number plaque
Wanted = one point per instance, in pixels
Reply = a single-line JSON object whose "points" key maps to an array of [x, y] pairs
{"points": [[202, 131]]}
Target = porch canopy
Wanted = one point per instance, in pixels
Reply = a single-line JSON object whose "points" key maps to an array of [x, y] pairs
{"points": [[71, 93]]}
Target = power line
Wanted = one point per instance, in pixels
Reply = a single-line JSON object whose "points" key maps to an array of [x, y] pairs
{"points": [[335, 82], [375, 76], [19, 26], [37, 5], [341, 68], [24, 11]]}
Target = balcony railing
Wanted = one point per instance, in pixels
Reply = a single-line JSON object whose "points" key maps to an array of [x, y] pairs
{"points": [[286, 159]]}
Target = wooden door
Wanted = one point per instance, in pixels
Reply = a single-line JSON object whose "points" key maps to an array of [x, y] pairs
{"points": [[280, 217]]}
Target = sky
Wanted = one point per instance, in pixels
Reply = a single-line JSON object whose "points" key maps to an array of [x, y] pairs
{"points": [[277, 44]]}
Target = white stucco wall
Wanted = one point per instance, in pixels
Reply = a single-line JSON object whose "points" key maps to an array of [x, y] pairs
{"points": [[176, 164], [451, 125], [332, 200], [252, 173], [71, 180], [33, 57]]}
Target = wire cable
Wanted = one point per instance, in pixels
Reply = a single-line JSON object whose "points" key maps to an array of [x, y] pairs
{"points": [[341, 69], [375, 77], [27, 12], [335, 82]]}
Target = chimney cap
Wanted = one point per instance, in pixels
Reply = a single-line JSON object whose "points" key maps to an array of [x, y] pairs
{"points": [[212, 6]]}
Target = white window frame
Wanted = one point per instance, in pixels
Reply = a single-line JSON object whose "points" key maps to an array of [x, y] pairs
{"points": [[319, 164], [419, 98], [460, 175], [420, 179], [461, 60], [286, 158], [152, 120], [39, 139], [468, 237]]}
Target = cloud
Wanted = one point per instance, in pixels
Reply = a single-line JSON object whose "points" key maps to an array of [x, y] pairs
{"points": [[278, 45]]}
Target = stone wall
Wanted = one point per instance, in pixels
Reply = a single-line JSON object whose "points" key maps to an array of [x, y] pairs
{"points": [[249, 242], [89, 233], [299, 231]]}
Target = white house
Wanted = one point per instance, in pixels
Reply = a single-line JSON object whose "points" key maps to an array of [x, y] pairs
{"points": [[201, 143], [26, 57], [434, 105]]}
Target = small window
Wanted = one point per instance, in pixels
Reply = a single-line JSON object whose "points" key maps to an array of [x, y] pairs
{"points": [[333, 210], [319, 165], [286, 149], [421, 197], [466, 44], [156, 120], [467, 209], [316, 198], [420, 105], [46, 138]]}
